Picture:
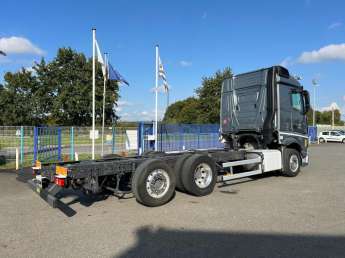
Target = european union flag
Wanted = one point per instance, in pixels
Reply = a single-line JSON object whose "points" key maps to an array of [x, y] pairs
{"points": [[116, 76]]}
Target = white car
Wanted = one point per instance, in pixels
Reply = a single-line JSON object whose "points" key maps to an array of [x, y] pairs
{"points": [[331, 136]]}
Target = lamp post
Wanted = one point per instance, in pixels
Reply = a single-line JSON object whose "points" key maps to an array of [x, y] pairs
{"points": [[315, 84]]}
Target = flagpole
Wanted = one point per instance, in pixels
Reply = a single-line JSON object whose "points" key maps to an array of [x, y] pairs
{"points": [[104, 84], [93, 90], [156, 90], [167, 98]]}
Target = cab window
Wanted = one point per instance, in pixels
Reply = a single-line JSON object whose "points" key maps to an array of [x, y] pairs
{"points": [[296, 101], [334, 134]]}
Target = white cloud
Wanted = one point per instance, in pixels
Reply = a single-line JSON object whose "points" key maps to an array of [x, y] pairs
{"points": [[329, 52], [335, 25], [185, 63], [124, 103], [330, 107], [287, 62], [19, 45], [29, 69], [118, 109]]}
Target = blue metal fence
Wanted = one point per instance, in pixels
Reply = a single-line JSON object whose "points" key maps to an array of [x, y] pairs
{"points": [[312, 133], [176, 137], [47, 144], [171, 137]]}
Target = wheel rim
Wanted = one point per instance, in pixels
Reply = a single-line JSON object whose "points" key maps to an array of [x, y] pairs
{"points": [[294, 163], [203, 175], [157, 183]]}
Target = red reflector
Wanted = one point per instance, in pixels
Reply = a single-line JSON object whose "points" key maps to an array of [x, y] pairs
{"points": [[60, 181]]}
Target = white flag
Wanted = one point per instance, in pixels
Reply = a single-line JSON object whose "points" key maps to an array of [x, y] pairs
{"points": [[162, 75], [100, 59]]}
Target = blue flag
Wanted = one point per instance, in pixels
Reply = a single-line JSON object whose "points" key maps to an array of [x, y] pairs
{"points": [[115, 75]]}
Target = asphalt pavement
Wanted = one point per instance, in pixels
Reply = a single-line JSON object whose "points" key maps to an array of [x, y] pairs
{"points": [[271, 216]]}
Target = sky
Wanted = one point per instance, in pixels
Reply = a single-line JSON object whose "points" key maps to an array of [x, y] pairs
{"points": [[196, 39]]}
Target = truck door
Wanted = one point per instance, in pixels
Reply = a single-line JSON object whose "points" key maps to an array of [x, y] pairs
{"points": [[292, 117], [298, 118]]}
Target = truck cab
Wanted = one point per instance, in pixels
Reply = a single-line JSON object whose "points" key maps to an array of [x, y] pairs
{"points": [[265, 109]]}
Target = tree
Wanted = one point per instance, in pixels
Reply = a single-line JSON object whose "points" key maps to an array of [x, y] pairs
{"points": [[324, 117], [209, 96], [56, 93], [17, 102], [184, 111], [205, 107]]}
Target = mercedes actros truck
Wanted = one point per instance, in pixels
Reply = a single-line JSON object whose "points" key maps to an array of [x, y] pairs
{"points": [[263, 125]]}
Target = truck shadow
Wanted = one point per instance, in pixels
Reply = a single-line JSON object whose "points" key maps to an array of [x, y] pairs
{"points": [[69, 197], [185, 243]]}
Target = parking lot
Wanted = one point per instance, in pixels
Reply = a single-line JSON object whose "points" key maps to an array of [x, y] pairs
{"points": [[271, 216]]}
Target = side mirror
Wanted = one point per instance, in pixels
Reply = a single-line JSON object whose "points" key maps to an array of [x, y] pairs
{"points": [[306, 101]]}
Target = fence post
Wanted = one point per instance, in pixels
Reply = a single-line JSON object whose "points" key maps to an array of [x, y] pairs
{"points": [[21, 145], [181, 136], [141, 138], [35, 144], [199, 129], [113, 132], [59, 143], [161, 136], [72, 143]]}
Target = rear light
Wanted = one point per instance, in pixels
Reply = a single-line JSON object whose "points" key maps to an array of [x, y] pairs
{"points": [[61, 171], [60, 180]]}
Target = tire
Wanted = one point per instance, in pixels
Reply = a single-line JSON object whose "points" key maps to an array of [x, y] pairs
{"points": [[291, 162], [343, 141], [249, 146], [178, 171], [321, 140], [152, 153], [143, 190], [205, 168]]}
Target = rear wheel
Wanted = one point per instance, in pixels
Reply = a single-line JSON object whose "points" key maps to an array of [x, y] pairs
{"points": [[153, 183], [291, 162], [199, 175], [321, 140], [178, 171], [343, 141]]}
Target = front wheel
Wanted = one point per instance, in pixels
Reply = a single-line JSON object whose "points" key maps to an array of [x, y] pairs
{"points": [[291, 162], [321, 140], [153, 183], [343, 141]]}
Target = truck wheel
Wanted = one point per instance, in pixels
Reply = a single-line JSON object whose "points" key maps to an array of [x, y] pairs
{"points": [[291, 162], [178, 171], [153, 183], [199, 175]]}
